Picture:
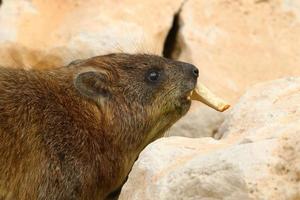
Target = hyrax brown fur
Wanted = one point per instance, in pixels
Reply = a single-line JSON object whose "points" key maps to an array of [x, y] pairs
{"points": [[74, 132]]}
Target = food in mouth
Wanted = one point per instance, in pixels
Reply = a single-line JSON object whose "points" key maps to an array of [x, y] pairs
{"points": [[204, 95]]}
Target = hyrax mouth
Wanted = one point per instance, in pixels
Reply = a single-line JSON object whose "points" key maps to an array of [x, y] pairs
{"points": [[204, 95], [189, 96]]}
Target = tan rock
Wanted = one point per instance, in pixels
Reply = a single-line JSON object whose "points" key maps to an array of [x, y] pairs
{"points": [[258, 158], [236, 44], [57, 32], [270, 106], [200, 121]]}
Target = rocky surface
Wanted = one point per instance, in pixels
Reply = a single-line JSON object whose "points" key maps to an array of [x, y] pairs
{"points": [[239, 43], [200, 121], [39, 33], [273, 106], [257, 157], [236, 44]]}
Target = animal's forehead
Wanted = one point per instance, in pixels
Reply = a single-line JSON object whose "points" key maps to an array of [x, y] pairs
{"points": [[142, 60], [129, 61]]}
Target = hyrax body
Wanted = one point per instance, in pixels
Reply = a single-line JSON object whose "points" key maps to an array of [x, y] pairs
{"points": [[74, 132]]}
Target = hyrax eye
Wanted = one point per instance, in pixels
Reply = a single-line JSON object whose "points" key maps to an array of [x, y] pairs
{"points": [[153, 76]]}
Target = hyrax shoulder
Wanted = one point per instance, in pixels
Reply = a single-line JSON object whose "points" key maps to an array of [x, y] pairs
{"points": [[75, 131]]}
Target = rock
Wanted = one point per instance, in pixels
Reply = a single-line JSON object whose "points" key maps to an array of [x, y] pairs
{"points": [[38, 33], [236, 44], [257, 158], [271, 106], [200, 121]]}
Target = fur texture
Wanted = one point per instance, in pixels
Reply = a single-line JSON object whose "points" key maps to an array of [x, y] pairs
{"points": [[74, 132]]}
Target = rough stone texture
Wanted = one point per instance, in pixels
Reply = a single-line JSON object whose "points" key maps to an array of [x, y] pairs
{"points": [[237, 44], [42, 33], [271, 108], [201, 121], [257, 158]]}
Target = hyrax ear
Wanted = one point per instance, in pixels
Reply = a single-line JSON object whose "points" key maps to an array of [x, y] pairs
{"points": [[92, 84]]}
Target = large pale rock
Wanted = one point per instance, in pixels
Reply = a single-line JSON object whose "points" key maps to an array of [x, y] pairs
{"points": [[236, 44], [258, 159], [265, 111], [239, 43], [39, 33]]}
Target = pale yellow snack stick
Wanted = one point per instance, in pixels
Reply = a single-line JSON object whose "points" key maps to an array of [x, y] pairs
{"points": [[204, 95]]}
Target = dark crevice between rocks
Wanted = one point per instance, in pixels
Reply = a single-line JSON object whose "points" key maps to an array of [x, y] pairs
{"points": [[171, 46], [171, 39]]}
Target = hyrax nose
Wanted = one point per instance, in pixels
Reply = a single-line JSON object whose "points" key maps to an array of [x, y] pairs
{"points": [[196, 72]]}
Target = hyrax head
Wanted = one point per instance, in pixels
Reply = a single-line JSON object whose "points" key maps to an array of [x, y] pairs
{"points": [[141, 84], [140, 94], [143, 93]]}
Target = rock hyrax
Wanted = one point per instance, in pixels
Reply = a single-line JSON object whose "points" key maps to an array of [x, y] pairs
{"points": [[74, 132]]}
